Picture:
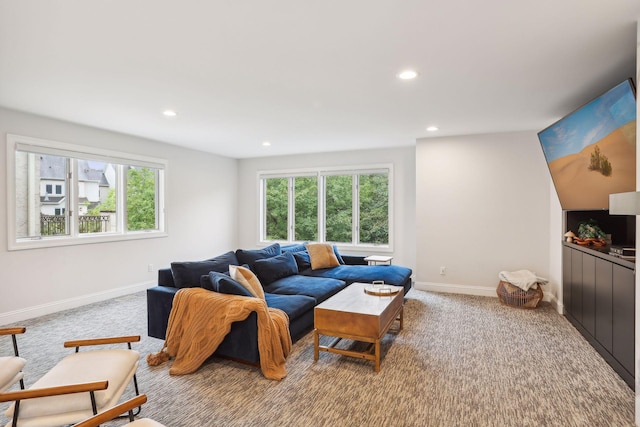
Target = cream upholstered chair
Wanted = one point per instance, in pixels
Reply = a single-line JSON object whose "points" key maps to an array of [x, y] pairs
{"points": [[115, 367], [11, 366], [116, 411]]}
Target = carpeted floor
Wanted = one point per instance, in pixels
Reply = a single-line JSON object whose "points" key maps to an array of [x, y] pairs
{"points": [[460, 361]]}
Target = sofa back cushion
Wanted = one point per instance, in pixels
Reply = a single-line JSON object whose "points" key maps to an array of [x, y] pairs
{"points": [[187, 274], [271, 269], [249, 257], [226, 285], [294, 247], [224, 261]]}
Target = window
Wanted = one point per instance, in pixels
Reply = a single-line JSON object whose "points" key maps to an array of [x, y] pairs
{"points": [[100, 195], [348, 207]]}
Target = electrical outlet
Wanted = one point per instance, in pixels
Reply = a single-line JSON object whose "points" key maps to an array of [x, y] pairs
{"points": [[443, 271], [150, 268]]}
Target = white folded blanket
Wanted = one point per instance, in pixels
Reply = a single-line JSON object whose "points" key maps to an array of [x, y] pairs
{"points": [[524, 279]]}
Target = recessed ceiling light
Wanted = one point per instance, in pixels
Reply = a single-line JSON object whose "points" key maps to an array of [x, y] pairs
{"points": [[432, 128], [169, 113], [266, 144], [407, 75]]}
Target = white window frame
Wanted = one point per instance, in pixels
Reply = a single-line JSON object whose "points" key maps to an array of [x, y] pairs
{"points": [[321, 173], [43, 146]]}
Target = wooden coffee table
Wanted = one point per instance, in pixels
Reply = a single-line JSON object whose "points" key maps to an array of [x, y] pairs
{"points": [[356, 315]]}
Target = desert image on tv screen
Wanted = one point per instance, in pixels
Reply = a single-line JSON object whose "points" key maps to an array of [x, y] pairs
{"points": [[592, 152]]}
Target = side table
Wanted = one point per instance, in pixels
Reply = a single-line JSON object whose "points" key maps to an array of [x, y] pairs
{"points": [[378, 259]]}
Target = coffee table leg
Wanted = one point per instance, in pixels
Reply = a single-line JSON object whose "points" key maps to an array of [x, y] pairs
{"points": [[316, 344], [377, 353], [401, 318]]}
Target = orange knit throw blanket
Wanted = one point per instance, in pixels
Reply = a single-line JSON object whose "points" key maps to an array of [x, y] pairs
{"points": [[200, 319]]}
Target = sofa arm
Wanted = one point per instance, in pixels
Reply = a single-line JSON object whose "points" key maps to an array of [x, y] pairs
{"points": [[159, 303], [165, 277], [354, 259]]}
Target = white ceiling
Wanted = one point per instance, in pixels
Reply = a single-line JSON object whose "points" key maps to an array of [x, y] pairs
{"points": [[311, 76]]}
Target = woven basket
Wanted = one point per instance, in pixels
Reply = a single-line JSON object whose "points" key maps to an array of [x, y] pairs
{"points": [[515, 297]]}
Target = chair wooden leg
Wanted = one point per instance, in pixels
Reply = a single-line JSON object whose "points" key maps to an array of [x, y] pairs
{"points": [[16, 409]]}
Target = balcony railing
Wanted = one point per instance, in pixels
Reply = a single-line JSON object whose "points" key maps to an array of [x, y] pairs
{"points": [[53, 225]]}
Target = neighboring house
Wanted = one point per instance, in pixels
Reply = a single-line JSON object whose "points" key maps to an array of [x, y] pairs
{"points": [[53, 187], [93, 184], [43, 189]]}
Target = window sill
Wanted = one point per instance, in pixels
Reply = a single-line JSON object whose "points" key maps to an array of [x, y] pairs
{"points": [[51, 242], [342, 247]]}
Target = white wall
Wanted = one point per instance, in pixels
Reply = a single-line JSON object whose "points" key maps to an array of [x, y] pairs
{"points": [[483, 206], [200, 209], [403, 160], [556, 230]]}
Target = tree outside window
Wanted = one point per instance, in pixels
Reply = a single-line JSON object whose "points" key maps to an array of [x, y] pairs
{"points": [[276, 209], [306, 208], [339, 208], [374, 208], [141, 199]]}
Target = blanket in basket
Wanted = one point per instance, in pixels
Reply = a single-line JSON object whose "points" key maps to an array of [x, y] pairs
{"points": [[524, 279], [200, 319]]}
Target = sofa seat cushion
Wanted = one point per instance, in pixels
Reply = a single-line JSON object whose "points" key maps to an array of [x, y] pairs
{"points": [[319, 288], [294, 305], [391, 274]]}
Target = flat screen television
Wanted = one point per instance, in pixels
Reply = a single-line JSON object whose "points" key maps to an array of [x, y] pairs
{"points": [[591, 152]]}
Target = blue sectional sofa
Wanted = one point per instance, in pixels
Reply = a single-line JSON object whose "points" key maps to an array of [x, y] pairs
{"points": [[288, 281]]}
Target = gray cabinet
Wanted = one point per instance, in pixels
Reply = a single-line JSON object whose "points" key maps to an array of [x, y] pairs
{"points": [[604, 307], [624, 297], [599, 300]]}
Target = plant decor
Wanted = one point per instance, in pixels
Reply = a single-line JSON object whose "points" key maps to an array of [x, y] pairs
{"points": [[589, 233]]}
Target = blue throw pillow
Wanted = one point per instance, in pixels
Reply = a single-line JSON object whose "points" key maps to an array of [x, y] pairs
{"points": [[226, 285], [271, 269], [303, 260], [207, 280], [335, 251], [250, 256], [187, 274]]}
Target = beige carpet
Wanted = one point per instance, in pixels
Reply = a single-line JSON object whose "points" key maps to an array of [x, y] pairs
{"points": [[460, 361]]}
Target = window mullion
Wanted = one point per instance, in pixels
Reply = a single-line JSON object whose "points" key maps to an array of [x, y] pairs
{"points": [[264, 209], [322, 209], [72, 184], [355, 217], [291, 215], [121, 197]]}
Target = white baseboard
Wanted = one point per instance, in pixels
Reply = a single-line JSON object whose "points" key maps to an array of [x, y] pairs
{"points": [[66, 304], [484, 291]]}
